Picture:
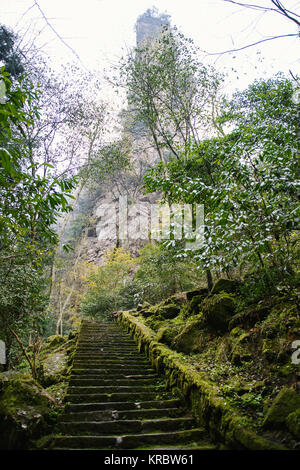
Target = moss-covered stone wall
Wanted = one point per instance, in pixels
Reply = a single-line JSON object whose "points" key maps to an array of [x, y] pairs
{"points": [[209, 408]]}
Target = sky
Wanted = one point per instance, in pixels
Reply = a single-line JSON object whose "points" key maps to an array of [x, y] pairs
{"points": [[101, 31]]}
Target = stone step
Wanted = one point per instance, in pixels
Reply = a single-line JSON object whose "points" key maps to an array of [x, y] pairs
{"points": [[108, 362], [121, 406], [122, 368], [114, 374], [109, 355], [110, 415], [105, 337], [107, 341], [115, 399], [95, 389], [109, 397], [109, 348], [86, 381], [96, 428], [128, 441]]}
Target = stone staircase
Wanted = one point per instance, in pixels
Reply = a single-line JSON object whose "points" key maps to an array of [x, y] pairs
{"points": [[115, 400]]}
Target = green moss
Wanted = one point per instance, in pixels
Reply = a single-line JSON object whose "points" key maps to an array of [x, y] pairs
{"points": [[237, 346], [249, 317], [293, 423], [52, 342], [224, 285], [53, 369], [208, 406], [203, 292], [270, 349], [196, 302], [24, 410], [218, 310], [166, 334], [283, 319], [193, 338], [286, 402]]}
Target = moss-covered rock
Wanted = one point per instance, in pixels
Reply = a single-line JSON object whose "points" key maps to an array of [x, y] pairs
{"points": [[286, 402], [218, 310], [208, 407], [169, 311], [25, 410], [249, 317], [193, 338], [55, 359], [52, 342], [270, 350], [198, 292], [143, 306], [293, 423], [164, 310], [224, 285], [283, 319], [166, 334], [195, 304], [54, 368], [240, 351], [29, 408]]}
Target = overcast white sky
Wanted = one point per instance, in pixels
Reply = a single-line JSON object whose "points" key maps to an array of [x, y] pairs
{"points": [[101, 30]]}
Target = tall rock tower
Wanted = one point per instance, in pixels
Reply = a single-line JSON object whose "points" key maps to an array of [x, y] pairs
{"points": [[149, 25], [100, 235]]}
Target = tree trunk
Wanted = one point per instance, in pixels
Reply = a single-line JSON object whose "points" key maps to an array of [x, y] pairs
{"points": [[209, 279]]}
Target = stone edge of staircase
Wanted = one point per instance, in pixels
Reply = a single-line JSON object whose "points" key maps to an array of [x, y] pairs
{"points": [[222, 422], [124, 441]]}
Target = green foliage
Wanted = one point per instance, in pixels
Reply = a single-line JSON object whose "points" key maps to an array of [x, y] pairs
{"points": [[106, 285], [169, 91], [124, 282], [29, 202], [109, 161], [10, 55], [29, 205], [160, 274], [247, 180]]}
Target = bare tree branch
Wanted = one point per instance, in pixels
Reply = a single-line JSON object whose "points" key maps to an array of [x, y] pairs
{"points": [[252, 44], [58, 35], [280, 9]]}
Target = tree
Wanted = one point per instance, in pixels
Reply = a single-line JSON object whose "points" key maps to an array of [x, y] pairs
{"points": [[29, 205], [10, 54], [161, 274], [248, 181], [169, 92], [104, 295]]}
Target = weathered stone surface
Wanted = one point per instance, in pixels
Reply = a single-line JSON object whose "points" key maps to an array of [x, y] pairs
{"points": [[137, 413], [224, 285], [249, 317], [286, 402], [239, 346], [163, 310], [166, 334], [24, 410], [209, 408], [218, 310], [192, 338], [293, 423], [54, 366], [192, 293]]}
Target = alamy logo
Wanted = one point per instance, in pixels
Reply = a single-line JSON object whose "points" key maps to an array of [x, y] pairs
{"points": [[2, 92], [2, 352], [296, 354], [296, 96], [151, 221]]}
